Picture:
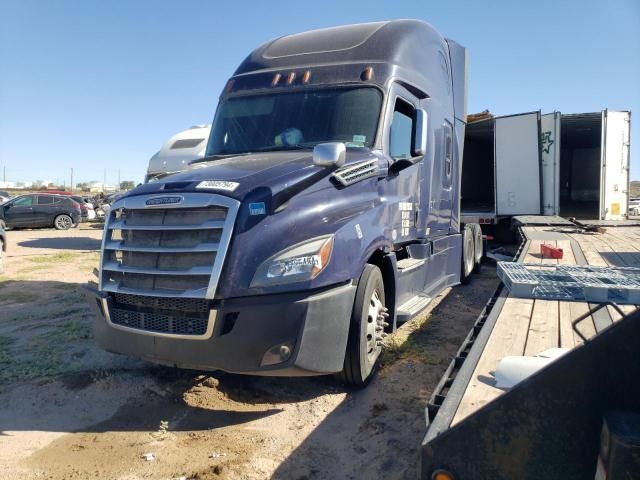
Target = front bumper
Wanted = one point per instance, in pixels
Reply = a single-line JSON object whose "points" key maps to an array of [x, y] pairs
{"points": [[314, 324]]}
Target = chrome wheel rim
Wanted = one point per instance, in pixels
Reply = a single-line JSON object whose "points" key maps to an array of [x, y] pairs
{"points": [[375, 314], [63, 222], [468, 255]]}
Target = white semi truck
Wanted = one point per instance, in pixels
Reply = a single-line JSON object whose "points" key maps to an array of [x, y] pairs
{"points": [[177, 152]]}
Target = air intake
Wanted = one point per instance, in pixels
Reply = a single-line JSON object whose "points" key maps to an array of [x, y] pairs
{"points": [[359, 171]]}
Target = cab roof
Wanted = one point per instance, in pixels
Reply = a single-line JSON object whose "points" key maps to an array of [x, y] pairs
{"points": [[404, 49]]}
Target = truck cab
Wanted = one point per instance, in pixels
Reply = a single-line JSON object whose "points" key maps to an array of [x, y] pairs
{"points": [[325, 211]]}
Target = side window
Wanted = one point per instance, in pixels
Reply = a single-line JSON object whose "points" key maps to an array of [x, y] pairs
{"points": [[448, 154], [45, 199], [24, 201], [401, 130]]}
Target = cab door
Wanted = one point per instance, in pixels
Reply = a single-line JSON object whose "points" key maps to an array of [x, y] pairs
{"points": [[19, 212], [407, 215]]}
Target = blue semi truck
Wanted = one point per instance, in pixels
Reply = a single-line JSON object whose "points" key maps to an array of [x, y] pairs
{"points": [[325, 212]]}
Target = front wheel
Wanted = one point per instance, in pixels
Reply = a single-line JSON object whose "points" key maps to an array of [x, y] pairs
{"points": [[63, 222], [366, 331]]}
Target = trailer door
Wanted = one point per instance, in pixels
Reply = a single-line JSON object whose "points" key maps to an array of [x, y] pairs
{"points": [[550, 155], [614, 182], [517, 152]]}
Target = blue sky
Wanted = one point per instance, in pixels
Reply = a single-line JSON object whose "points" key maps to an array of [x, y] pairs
{"points": [[94, 84]]}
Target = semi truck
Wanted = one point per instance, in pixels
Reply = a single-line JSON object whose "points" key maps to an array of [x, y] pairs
{"points": [[324, 212], [178, 152], [572, 165]]}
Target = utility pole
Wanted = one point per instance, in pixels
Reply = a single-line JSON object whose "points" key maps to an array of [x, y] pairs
{"points": [[118, 179], [4, 173], [104, 180], [71, 179]]}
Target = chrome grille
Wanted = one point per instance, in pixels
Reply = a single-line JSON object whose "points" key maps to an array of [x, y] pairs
{"points": [[161, 250]]}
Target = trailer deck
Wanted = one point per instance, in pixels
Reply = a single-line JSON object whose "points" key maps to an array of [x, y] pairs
{"points": [[518, 326]]}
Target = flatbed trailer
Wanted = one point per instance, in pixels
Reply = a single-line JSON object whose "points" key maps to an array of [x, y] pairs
{"points": [[511, 326]]}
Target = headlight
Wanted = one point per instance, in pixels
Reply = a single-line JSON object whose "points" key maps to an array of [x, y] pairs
{"points": [[299, 263]]}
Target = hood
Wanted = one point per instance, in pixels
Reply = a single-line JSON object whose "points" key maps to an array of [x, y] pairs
{"points": [[279, 172]]}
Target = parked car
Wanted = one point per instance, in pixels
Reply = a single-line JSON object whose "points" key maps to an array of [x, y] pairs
{"points": [[634, 207], [3, 247], [86, 208], [40, 210], [4, 196]]}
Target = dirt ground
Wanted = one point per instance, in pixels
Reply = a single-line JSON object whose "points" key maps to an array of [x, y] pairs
{"points": [[72, 411]]}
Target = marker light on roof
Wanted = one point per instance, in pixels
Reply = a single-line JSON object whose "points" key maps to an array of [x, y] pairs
{"points": [[291, 77], [306, 76], [229, 86], [276, 79], [367, 74]]}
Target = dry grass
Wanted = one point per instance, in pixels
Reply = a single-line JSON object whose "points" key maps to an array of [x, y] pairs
{"points": [[407, 344]]}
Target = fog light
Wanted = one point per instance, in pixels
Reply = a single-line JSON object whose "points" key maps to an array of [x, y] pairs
{"points": [[276, 354]]}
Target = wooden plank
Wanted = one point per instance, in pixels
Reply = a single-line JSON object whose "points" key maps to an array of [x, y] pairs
{"points": [[532, 255], [543, 329], [570, 311], [507, 338]]}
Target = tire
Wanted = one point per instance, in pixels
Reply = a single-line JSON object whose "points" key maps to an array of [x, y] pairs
{"points": [[63, 222], [365, 330], [467, 262], [478, 247], [3, 225], [1, 256]]}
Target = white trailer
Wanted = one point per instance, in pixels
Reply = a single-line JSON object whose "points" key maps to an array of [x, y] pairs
{"points": [[572, 165], [177, 152], [501, 168]]}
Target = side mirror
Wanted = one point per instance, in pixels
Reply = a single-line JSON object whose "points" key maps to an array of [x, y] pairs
{"points": [[329, 155], [420, 135]]}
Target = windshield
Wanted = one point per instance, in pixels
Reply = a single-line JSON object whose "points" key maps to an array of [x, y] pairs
{"points": [[292, 120]]}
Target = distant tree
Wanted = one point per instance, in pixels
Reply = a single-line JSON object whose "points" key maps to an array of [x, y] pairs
{"points": [[126, 185], [82, 186]]}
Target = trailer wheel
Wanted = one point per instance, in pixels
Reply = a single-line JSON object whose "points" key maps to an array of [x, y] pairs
{"points": [[478, 247], [365, 330], [468, 255]]}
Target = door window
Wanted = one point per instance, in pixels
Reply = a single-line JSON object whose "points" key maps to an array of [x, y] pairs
{"points": [[24, 202], [46, 199], [401, 130]]}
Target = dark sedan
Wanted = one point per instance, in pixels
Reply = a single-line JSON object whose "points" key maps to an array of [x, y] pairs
{"points": [[40, 210]]}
